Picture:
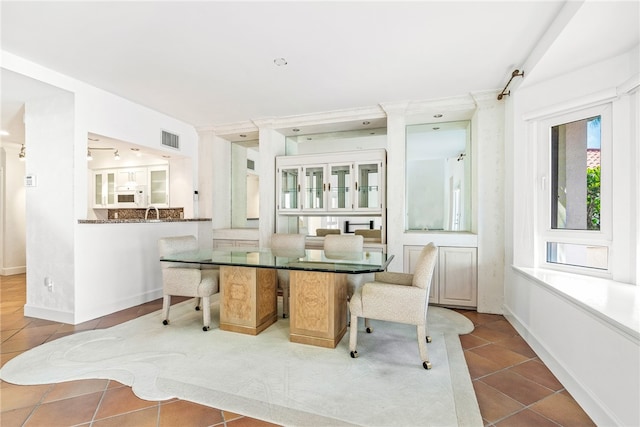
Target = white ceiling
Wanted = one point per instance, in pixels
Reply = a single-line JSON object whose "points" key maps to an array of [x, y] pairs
{"points": [[211, 62]]}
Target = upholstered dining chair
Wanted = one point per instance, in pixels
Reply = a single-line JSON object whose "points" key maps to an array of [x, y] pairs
{"points": [[321, 232], [397, 297], [341, 246], [288, 246], [187, 280], [370, 235]]}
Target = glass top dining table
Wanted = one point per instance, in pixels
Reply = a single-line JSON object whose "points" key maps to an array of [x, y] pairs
{"points": [[309, 260]]}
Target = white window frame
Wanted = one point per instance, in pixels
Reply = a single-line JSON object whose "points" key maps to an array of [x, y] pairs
{"points": [[545, 233]]}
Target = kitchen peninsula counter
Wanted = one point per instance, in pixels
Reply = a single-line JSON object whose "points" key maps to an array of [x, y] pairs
{"points": [[138, 220]]}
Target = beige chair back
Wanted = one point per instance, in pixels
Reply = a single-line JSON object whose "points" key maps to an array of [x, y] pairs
{"points": [[288, 245], [321, 232], [425, 266], [343, 246], [174, 245]]}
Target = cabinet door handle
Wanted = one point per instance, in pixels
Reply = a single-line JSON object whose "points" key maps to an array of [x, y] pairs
{"points": [[324, 187], [329, 186], [356, 186], [298, 188]]}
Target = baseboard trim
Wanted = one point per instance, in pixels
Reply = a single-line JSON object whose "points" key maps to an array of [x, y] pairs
{"points": [[94, 312], [587, 401], [49, 314], [13, 270]]}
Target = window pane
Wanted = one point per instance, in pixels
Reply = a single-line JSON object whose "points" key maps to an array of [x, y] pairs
{"points": [[590, 256], [575, 175]]}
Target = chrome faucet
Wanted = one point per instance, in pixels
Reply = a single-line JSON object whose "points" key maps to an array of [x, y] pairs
{"points": [[147, 212]]}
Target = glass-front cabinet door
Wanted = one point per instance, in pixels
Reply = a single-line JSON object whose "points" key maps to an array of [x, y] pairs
{"points": [[314, 187], [340, 187], [289, 188], [159, 186], [104, 189], [368, 186]]}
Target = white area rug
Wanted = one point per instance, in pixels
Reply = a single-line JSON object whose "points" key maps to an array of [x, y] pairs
{"points": [[268, 377]]}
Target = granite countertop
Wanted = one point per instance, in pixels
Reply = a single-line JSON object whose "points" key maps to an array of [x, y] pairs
{"points": [[137, 220]]}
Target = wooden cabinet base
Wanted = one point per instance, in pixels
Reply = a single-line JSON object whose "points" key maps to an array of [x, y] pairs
{"points": [[318, 308], [248, 299]]}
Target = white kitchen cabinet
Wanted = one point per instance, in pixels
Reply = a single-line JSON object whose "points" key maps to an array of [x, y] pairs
{"points": [[158, 179], [455, 278], [331, 183], [131, 177], [104, 189]]}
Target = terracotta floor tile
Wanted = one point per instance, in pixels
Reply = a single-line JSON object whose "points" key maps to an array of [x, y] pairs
{"points": [[142, 418], [58, 413], [480, 318], [470, 341], [8, 333], [16, 417], [480, 366], [517, 387], [228, 416], [489, 334], [120, 400], [14, 396], [493, 404], [186, 413], [5, 357], [248, 422], [14, 344], [562, 409], [69, 389], [501, 325], [526, 418], [537, 372], [517, 344], [499, 355]]}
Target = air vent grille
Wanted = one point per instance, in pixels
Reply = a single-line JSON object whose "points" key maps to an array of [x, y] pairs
{"points": [[170, 140], [251, 164]]}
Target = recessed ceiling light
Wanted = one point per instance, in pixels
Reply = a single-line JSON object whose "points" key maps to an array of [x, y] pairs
{"points": [[366, 123], [437, 116], [280, 62]]}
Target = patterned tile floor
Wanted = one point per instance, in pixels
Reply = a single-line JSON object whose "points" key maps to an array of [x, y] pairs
{"points": [[512, 386]]}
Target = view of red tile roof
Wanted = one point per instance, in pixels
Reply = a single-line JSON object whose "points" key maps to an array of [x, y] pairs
{"points": [[593, 157]]}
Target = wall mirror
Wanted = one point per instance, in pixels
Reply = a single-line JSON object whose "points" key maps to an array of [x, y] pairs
{"points": [[245, 184], [438, 176]]}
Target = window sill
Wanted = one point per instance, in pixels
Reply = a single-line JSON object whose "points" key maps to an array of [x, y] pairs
{"points": [[615, 303]]}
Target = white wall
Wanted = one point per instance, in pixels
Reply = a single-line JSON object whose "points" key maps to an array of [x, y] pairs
{"points": [[597, 362], [13, 233], [56, 132]]}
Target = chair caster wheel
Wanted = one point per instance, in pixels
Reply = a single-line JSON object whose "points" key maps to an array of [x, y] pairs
{"points": [[428, 339], [165, 322], [205, 328], [354, 354], [197, 308], [369, 330], [426, 365]]}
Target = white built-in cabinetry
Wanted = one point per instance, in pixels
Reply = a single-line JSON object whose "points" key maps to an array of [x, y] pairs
{"points": [[104, 188], [350, 183], [455, 279], [108, 182]]}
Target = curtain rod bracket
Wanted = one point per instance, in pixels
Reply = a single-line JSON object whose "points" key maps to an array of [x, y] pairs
{"points": [[515, 73]]}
